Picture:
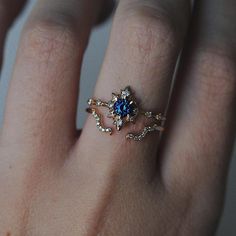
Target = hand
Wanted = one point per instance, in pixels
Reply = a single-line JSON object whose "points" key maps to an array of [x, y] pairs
{"points": [[54, 181]]}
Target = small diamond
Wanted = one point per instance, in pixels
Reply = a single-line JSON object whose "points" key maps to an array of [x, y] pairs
{"points": [[110, 104], [99, 102], [119, 122], [114, 96], [90, 101], [126, 92]]}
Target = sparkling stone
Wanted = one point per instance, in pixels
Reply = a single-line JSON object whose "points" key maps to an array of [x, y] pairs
{"points": [[110, 104], [119, 123], [122, 107], [148, 114], [99, 102], [125, 92], [90, 101]]}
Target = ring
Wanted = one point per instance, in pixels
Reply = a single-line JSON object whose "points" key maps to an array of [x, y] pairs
{"points": [[123, 109]]}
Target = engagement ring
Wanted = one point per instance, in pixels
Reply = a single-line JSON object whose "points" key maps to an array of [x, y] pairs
{"points": [[123, 109]]}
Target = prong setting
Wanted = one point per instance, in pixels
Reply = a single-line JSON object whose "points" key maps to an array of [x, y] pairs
{"points": [[123, 108]]}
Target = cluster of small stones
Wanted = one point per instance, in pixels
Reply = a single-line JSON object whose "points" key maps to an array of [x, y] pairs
{"points": [[99, 124], [148, 114], [98, 102], [122, 112], [158, 117], [146, 130]]}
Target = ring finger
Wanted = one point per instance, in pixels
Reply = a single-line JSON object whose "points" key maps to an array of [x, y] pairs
{"points": [[145, 42]]}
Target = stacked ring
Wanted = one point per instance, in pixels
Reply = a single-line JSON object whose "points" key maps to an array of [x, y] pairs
{"points": [[123, 109]]}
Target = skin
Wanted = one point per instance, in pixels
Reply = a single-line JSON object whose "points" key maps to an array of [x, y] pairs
{"points": [[56, 181]]}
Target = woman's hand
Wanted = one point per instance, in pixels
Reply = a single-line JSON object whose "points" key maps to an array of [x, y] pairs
{"points": [[54, 182]]}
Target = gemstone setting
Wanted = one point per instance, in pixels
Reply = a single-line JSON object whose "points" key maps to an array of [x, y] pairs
{"points": [[123, 108]]}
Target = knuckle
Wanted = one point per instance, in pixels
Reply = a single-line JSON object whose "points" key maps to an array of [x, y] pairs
{"points": [[50, 38], [217, 73], [149, 31]]}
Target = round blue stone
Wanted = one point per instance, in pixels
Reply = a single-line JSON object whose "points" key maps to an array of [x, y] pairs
{"points": [[123, 108]]}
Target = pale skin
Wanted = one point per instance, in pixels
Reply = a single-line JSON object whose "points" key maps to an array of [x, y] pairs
{"points": [[55, 180]]}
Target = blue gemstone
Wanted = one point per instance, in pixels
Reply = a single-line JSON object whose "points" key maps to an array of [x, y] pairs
{"points": [[123, 108]]}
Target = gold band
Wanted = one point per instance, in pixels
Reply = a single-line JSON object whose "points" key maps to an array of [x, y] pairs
{"points": [[123, 109]]}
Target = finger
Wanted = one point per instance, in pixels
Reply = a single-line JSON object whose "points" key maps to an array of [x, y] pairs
{"points": [[201, 139], [41, 104], [145, 41], [7, 15]]}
